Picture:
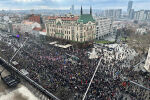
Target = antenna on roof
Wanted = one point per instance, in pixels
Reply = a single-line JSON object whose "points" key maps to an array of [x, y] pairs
{"points": [[81, 10], [90, 10]]}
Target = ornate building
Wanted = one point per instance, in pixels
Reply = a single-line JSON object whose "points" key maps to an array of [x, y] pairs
{"points": [[74, 28]]}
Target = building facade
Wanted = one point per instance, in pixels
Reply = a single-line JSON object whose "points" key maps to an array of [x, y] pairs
{"points": [[27, 26], [147, 63], [103, 28], [74, 28], [3, 26], [35, 18], [131, 14], [113, 13], [141, 31], [130, 4], [142, 15]]}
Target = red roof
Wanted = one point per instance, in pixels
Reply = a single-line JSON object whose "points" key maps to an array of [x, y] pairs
{"points": [[70, 18], [34, 18], [44, 30], [52, 17], [36, 29], [64, 18]]}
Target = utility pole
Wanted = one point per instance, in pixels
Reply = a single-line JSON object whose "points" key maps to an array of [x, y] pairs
{"points": [[92, 79]]}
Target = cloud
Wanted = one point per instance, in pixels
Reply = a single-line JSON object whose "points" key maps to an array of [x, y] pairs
{"points": [[57, 0], [56, 4], [27, 0]]}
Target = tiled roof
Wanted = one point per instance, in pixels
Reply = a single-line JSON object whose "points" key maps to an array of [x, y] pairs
{"points": [[34, 18], [70, 18], [64, 18], [52, 17], [85, 18], [36, 29], [58, 23], [27, 22]]}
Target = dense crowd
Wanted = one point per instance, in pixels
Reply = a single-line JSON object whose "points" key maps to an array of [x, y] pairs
{"points": [[70, 70]]}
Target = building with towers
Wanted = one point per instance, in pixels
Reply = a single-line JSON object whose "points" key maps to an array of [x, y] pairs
{"points": [[70, 27]]}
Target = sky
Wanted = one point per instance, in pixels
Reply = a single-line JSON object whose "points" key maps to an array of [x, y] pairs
{"points": [[66, 4]]}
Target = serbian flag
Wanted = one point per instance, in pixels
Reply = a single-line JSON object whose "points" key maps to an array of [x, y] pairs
{"points": [[124, 84]]}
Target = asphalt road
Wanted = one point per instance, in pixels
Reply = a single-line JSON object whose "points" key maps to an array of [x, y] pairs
{"points": [[18, 93]]}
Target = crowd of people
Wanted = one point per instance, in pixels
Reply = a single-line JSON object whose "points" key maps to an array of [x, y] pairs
{"points": [[70, 70]]}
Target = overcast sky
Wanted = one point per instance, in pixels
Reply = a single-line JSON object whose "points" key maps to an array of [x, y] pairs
{"points": [[66, 4]]}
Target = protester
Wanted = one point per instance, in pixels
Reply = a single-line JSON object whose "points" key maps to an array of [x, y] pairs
{"points": [[53, 68]]}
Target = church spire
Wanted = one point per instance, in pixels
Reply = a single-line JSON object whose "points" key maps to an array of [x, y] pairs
{"points": [[90, 10], [81, 10]]}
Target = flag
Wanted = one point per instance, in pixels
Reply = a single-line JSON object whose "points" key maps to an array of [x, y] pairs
{"points": [[124, 84], [17, 36]]}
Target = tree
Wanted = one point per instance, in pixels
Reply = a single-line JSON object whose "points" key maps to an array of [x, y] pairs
{"points": [[140, 43]]}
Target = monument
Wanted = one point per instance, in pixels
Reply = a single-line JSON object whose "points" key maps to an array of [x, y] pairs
{"points": [[93, 54]]}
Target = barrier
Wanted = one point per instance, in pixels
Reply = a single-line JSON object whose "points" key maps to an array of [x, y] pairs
{"points": [[30, 80]]}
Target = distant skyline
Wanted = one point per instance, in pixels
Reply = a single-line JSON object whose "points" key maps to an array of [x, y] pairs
{"points": [[66, 4]]}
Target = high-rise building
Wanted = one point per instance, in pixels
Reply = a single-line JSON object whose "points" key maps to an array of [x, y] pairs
{"points": [[103, 28], [140, 15], [131, 14], [130, 4], [118, 13], [147, 14], [113, 13], [136, 15], [72, 9]]}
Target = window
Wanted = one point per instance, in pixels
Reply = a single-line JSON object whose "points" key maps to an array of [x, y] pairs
{"points": [[81, 35]]}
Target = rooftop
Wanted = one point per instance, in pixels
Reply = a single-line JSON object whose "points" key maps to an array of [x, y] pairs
{"points": [[65, 18], [36, 29], [35, 18], [85, 18]]}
